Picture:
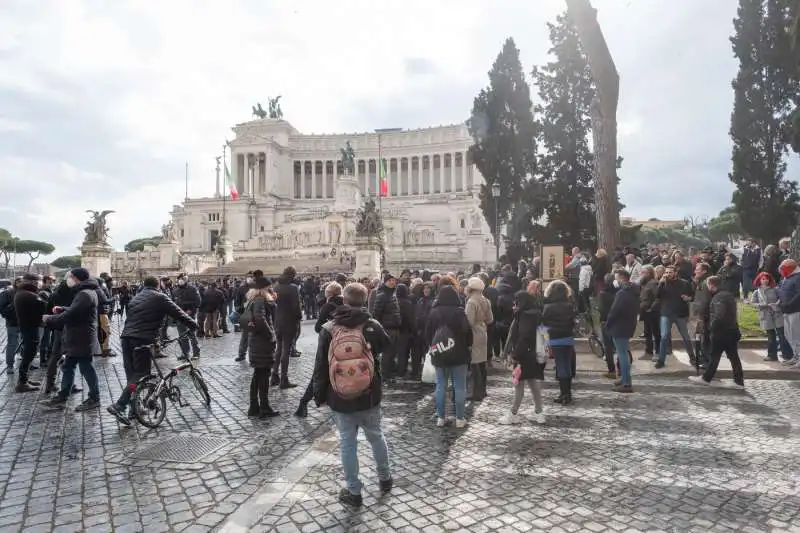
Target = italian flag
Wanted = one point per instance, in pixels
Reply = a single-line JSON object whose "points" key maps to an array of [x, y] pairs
{"points": [[384, 185], [230, 183]]}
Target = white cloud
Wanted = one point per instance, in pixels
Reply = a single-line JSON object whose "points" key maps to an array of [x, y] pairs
{"points": [[166, 80]]}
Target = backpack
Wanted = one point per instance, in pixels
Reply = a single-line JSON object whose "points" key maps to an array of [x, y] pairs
{"points": [[443, 345], [351, 366]]}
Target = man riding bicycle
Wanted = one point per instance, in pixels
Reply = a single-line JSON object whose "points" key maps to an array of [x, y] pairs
{"points": [[146, 313]]}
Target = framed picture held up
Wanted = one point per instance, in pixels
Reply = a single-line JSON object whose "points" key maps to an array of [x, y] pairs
{"points": [[552, 262]]}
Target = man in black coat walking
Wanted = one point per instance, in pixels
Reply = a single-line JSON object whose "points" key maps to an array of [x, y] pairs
{"points": [[29, 308], [187, 298], [621, 325], [288, 316]]}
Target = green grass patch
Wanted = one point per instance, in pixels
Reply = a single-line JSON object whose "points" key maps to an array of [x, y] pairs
{"points": [[748, 321]]}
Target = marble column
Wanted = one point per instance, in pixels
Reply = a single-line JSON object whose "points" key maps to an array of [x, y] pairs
{"points": [[464, 171], [314, 178], [302, 179], [442, 188], [324, 178]]}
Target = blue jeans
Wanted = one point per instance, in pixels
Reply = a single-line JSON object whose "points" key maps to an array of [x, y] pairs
{"points": [[666, 330], [565, 359], [88, 372], [775, 339], [12, 343], [370, 422], [459, 376], [622, 344]]}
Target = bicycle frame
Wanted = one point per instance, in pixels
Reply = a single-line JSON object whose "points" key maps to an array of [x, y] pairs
{"points": [[165, 380]]}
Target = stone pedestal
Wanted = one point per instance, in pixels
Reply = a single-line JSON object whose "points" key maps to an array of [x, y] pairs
{"points": [[368, 258], [225, 252], [169, 255], [96, 258], [346, 195]]}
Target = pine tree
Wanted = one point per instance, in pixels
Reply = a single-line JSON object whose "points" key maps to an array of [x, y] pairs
{"points": [[564, 191], [503, 130], [764, 88]]}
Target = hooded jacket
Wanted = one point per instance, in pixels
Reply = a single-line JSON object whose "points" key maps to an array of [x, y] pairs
{"points": [[146, 313], [522, 336], [262, 340], [327, 311], [447, 311], [386, 309], [79, 322], [406, 307], [28, 306], [289, 312], [378, 340]]}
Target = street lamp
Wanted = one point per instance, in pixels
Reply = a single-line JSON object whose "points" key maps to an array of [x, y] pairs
{"points": [[496, 196]]}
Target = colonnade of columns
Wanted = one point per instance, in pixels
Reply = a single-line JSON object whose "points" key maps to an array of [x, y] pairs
{"points": [[405, 176]]}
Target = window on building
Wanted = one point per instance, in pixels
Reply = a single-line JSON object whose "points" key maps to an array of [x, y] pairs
{"points": [[462, 224], [181, 233], [262, 228]]}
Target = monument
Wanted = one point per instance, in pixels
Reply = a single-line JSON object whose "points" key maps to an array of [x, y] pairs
{"points": [[169, 255], [95, 251], [369, 241]]}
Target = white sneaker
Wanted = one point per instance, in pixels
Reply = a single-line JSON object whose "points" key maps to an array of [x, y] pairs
{"points": [[509, 419], [461, 422], [539, 418], [698, 380], [440, 422], [730, 384]]}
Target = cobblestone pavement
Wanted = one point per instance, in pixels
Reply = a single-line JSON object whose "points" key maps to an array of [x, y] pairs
{"points": [[671, 457]]}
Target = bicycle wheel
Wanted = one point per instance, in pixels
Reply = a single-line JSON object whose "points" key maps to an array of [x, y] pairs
{"points": [[200, 384], [149, 409], [596, 346]]}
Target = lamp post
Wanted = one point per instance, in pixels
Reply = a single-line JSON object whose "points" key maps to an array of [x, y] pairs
{"points": [[496, 196]]}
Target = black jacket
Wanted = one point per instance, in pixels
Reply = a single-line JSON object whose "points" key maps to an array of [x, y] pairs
{"points": [[622, 317], [262, 340], [79, 322], [731, 276], [186, 297], [377, 338], [407, 323], [648, 297], [240, 297], [421, 311], [28, 306], [7, 307], [289, 312], [62, 296], [558, 315], [669, 296], [327, 310], [723, 314], [522, 336], [147, 312], [212, 300], [447, 311], [103, 300], [386, 308]]}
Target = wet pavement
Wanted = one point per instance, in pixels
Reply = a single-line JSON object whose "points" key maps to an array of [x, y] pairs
{"points": [[671, 457]]}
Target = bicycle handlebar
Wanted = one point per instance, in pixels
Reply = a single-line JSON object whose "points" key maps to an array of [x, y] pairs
{"points": [[166, 342]]}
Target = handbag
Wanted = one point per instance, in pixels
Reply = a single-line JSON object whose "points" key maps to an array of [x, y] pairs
{"points": [[516, 374], [428, 371]]}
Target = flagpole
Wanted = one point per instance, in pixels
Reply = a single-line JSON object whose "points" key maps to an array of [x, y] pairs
{"points": [[186, 195], [224, 230], [380, 171]]}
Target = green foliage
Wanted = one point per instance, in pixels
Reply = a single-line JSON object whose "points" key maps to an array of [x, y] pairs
{"points": [[502, 127], [34, 249], [563, 190], [137, 245], [674, 235], [67, 261], [764, 89], [725, 227]]}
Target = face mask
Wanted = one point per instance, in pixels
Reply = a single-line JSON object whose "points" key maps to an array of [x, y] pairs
{"points": [[39, 284], [181, 282], [616, 284], [71, 282], [249, 280]]}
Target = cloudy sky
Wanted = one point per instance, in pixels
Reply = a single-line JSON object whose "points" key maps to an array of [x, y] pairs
{"points": [[102, 103]]}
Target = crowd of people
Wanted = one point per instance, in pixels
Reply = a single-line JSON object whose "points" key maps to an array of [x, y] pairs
{"points": [[444, 328]]}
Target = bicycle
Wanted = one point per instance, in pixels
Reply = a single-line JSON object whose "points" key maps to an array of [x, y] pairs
{"points": [[151, 392], [584, 328]]}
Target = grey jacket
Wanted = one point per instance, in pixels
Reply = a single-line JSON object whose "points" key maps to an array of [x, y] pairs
{"points": [[769, 316]]}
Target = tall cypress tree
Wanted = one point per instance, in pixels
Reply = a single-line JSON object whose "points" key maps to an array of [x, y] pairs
{"points": [[503, 130], [564, 191], [764, 89]]}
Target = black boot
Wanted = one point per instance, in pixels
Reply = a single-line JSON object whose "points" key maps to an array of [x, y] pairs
{"points": [[275, 380], [284, 383], [254, 410], [302, 410], [567, 391], [564, 391]]}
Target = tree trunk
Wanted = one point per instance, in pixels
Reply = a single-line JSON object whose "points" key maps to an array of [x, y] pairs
{"points": [[604, 120]]}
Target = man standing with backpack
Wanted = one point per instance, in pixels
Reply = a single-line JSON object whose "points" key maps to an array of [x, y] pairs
{"points": [[347, 378]]}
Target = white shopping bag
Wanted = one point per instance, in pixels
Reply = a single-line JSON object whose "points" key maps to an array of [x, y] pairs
{"points": [[428, 371]]}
